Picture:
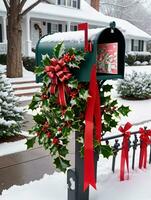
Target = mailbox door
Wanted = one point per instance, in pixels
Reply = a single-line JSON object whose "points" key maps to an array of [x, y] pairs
{"points": [[111, 51]]}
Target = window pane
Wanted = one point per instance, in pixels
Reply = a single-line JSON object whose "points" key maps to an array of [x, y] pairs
{"points": [[49, 28], [74, 4], [54, 28], [62, 2], [68, 2]]}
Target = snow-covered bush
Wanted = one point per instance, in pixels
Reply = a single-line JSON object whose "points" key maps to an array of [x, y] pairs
{"points": [[145, 63], [136, 63], [133, 56], [135, 86], [11, 115]]}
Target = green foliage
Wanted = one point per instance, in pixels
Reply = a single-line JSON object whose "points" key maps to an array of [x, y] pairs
{"points": [[59, 50], [135, 86], [106, 151], [54, 123], [111, 111]]}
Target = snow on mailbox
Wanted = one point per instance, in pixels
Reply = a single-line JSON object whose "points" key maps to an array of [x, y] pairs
{"points": [[105, 47]]}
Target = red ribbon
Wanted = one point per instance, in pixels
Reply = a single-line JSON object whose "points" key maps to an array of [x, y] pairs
{"points": [[92, 113], [144, 138], [125, 148], [59, 73]]}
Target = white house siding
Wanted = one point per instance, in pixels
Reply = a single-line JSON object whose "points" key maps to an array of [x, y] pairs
{"points": [[128, 45]]}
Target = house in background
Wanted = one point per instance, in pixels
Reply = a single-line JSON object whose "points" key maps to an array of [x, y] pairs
{"points": [[64, 15]]}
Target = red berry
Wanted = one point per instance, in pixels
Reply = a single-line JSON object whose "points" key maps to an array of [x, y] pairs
{"points": [[48, 134], [59, 129], [55, 140], [73, 57]]}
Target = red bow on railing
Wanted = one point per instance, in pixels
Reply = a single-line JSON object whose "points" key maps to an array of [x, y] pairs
{"points": [[92, 113], [144, 138], [59, 73], [125, 148]]}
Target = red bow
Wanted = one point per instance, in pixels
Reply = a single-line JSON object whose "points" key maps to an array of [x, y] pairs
{"points": [[144, 138], [92, 113], [125, 148], [59, 73]]}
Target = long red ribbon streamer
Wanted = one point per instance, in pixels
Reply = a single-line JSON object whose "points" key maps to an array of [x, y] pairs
{"points": [[92, 112], [144, 137], [125, 148]]}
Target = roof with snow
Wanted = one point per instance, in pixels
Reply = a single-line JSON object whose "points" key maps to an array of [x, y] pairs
{"points": [[85, 14]]}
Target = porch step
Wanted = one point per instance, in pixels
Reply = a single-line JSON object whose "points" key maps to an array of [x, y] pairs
{"points": [[25, 88]]}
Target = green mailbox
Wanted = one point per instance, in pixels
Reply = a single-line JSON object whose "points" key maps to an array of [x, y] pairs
{"points": [[108, 51]]}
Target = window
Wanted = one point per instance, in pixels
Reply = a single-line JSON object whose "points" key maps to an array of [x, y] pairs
{"points": [[137, 45], [73, 28], [74, 3], [69, 3], [54, 28], [1, 33], [141, 45]]}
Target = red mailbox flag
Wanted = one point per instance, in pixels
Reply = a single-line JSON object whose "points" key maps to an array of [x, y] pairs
{"points": [[85, 26]]}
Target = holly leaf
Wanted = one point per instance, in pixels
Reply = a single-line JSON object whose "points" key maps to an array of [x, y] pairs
{"points": [[84, 94], [63, 151], [59, 50], [107, 88], [107, 117], [106, 151], [39, 119], [113, 123], [124, 110], [61, 164], [39, 70], [35, 102], [69, 115], [73, 83], [45, 60], [30, 142], [66, 131], [113, 103]]}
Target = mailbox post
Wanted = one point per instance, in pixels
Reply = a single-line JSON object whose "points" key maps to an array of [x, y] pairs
{"points": [[108, 53]]}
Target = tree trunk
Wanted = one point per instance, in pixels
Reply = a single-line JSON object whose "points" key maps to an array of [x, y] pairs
{"points": [[14, 38]]}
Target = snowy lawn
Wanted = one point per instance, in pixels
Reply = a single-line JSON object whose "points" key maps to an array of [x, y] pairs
{"points": [[14, 147]]}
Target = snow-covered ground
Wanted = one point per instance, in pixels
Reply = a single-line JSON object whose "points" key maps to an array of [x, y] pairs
{"points": [[108, 184], [14, 147]]}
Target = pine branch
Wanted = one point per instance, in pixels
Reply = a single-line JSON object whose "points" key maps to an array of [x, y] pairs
{"points": [[31, 7], [6, 4]]}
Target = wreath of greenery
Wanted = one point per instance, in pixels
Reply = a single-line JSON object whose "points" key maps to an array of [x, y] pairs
{"points": [[54, 123]]}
